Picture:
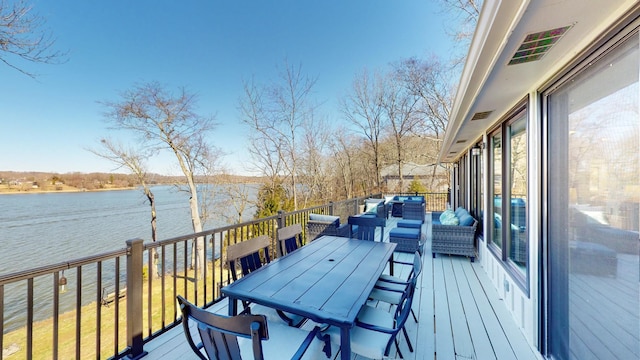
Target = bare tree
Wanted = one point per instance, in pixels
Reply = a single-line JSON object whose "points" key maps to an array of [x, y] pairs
{"points": [[364, 109], [465, 16], [265, 149], [400, 105], [135, 162], [343, 155], [234, 196], [276, 115], [314, 168], [166, 121], [22, 36]]}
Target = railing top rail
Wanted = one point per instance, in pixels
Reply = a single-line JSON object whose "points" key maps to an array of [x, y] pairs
{"points": [[49, 269]]}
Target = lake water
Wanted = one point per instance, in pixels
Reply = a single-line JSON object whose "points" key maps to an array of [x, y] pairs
{"points": [[48, 228]]}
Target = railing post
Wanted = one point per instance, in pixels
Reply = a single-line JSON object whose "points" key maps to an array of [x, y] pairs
{"points": [[135, 342], [330, 207], [281, 219]]}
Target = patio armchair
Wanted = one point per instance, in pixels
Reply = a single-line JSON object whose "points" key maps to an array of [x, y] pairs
{"points": [[319, 225], [413, 209], [454, 233], [251, 255], [247, 336], [375, 207]]}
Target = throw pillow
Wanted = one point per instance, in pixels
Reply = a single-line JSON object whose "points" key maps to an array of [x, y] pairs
{"points": [[461, 211], [371, 208], [446, 218]]}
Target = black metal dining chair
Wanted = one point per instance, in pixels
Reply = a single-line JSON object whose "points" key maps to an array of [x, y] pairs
{"points": [[390, 289], [364, 227], [289, 239], [251, 255], [247, 336], [376, 329]]}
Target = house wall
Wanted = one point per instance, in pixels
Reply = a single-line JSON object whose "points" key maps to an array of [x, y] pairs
{"points": [[524, 303]]}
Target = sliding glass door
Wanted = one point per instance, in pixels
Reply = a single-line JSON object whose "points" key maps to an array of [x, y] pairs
{"points": [[593, 192]]}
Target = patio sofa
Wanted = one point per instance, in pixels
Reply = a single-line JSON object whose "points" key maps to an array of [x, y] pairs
{"points": [[319, 225], [454, 233]]}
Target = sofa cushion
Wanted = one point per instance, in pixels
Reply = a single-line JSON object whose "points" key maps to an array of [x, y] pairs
{"points": [[325, 218], [448, 217], [466, 220], [461, 211], [405, 233]]}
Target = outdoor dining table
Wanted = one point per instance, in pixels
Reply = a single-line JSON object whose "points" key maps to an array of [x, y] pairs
{"points": [[327, 281]]}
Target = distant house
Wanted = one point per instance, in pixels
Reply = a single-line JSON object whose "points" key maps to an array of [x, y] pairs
{"points": [[544, 138], [434, 177]]}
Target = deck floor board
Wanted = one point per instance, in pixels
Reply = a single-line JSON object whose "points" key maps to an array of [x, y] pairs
{"points": [[460, 315]]}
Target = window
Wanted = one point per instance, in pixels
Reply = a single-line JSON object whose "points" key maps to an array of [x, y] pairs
{"points": [[496, 179], [508, 235], [517, 234]]}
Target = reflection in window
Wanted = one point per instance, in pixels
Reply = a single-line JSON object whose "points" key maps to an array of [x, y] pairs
{"points": [[594, 192], [496, 169], [518, 194]]}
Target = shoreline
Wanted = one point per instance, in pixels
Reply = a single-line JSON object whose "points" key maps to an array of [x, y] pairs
{"points": [[47, 191]]}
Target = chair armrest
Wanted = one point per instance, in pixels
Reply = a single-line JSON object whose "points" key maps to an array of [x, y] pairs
{"points": [[377, 328]]}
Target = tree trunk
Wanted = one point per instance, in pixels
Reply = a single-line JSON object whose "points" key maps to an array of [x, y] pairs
{"points": [[198, 255], [153, 267]]}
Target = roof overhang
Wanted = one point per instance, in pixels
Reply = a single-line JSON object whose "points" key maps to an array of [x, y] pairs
{"points": [[490, 86]]}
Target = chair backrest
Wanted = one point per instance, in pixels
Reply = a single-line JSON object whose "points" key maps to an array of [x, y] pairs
{"points": [[404, 307], [289, 239], [219, 334], [417, 265], [248, 253], [367, 227]]}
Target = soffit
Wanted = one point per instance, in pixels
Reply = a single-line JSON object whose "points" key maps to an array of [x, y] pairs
{"points": [[488, 83]]}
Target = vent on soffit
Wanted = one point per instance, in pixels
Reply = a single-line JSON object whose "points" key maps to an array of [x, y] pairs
{"points": [[535, 46], [481, 115]]}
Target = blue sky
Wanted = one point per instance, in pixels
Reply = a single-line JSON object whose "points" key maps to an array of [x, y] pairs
{"points": [[209, 47]]}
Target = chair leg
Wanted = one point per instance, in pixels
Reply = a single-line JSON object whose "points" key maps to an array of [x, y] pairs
{"points": [[414, 316], [398, 348], [406, 336]]}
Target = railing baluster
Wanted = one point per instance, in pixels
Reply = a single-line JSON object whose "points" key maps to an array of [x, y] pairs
{"points": [[163, 280], [1, 319], [30, 318], [78, 311], [116, 310], [175, 279], [149, 292], [56, 313], [99, 307]]}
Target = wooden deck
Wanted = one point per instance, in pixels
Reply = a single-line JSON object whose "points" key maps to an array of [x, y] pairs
{"points": [[460, 314]]}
